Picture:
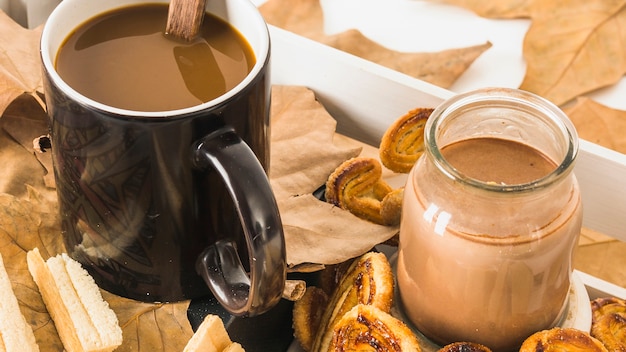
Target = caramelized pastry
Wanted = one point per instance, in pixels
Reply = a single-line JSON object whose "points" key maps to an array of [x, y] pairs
{"points": [[403, 142], [609, 322], [367, 328], [601, 307], [562, 339], [464, 347], [369, 281], [611, 331], [307, 313], [391, 207], [356, 185]]}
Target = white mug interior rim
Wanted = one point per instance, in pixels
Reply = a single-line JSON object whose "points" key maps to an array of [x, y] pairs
{"points": [[69, 14]]}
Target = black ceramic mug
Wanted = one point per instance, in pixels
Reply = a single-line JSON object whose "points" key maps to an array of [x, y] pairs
{"points": [[162, 206]]}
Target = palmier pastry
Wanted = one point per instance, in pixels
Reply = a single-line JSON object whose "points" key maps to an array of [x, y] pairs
{"points": [[601, 307], [464, 347], [403, 142], [391, 207], [307, 313], [357, 186], [562, 339], [369, 281], [330, 277], [609, 322], [367, 328]]}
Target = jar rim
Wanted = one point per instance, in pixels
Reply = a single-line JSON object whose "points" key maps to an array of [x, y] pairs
{"points": [[503, 97]]}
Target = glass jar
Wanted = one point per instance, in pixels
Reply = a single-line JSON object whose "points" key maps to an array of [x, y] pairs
{"points": [[491, 217]]}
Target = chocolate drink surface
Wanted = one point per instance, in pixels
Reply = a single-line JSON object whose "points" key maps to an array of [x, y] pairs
{"points": [[489, 283], [498, 160], [123, 59]]}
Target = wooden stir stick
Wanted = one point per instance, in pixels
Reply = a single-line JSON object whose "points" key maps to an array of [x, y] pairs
{"points": [[184, 18]]}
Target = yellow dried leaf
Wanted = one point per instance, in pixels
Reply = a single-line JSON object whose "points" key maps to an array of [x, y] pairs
{"points": [[599, 124], [20, 65], [576, 50], [306, 18], [440, 68], [151, 327], [23, 120], [571, 47]]}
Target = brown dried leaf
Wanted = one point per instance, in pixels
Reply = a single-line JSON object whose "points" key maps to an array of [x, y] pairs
{"points": [[151, 327], [20, 64], [599, 124], [577, 51], [303, 17], [306, 18], [304, 153], [318, 232], [440, 68], [22, 121], [571, 47]]}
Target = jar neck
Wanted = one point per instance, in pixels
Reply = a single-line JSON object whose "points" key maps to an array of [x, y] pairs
{"points": [[503, 113]]}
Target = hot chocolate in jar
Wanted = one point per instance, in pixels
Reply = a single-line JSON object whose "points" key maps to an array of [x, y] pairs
{"points": [[491, 217]]}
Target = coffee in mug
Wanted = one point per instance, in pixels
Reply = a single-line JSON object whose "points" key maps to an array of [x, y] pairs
{"points": [[122, 58], [167, 198]]}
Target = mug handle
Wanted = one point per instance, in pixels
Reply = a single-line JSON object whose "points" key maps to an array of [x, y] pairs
{"points": [[219, 265]]}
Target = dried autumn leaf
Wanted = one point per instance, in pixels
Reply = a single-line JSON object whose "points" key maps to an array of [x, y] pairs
{"points": [[151, 327], [571, 47], [599, 124], [306, 18], [304, 153], [20, 67], [440, 68], [578, 51], [22, 121]]}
